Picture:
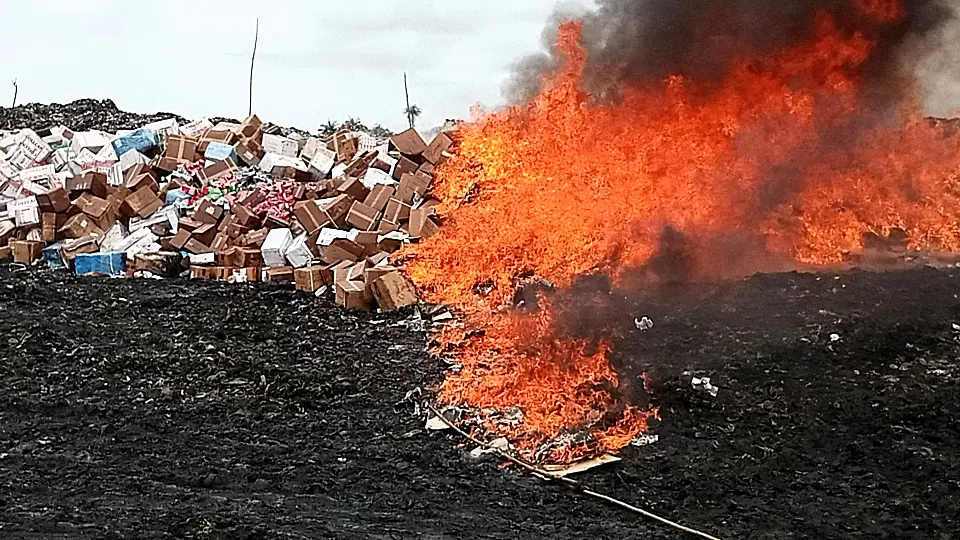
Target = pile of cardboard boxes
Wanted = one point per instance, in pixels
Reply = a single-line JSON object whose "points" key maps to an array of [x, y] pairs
{"points": [[151, 202]]}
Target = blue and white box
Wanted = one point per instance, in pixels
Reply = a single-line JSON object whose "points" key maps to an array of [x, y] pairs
{"points": [[110, 263]]}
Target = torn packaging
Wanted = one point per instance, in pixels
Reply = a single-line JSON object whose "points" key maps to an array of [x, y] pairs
{"points": [[418, 222], [394, 291], [179, 240], [27, 251], [146, 178], [162, 263]]}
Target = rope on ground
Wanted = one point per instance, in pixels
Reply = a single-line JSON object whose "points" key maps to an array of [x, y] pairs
{"points": [[550, 477]]}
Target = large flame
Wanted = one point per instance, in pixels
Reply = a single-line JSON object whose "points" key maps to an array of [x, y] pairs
{"points": [[565, 186]]}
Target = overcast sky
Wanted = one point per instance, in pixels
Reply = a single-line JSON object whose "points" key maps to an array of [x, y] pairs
{"points": [[317, 59]]}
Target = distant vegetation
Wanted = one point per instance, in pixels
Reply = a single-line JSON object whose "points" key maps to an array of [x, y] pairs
{"points": [[353, 124]]}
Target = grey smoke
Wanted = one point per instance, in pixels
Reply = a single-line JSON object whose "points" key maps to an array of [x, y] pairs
{"points": [[643, 41]]}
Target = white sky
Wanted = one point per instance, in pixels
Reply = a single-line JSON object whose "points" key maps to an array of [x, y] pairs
{"points": [[316, 60]]}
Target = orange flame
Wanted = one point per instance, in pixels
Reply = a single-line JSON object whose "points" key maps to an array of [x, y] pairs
{"points": [[565, 186]]}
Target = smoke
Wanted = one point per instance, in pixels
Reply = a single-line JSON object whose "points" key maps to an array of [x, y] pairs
{"points": [[644, 41]]}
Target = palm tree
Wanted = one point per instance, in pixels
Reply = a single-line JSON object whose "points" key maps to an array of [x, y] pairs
{"points": [[329, 128], [412, 113]]}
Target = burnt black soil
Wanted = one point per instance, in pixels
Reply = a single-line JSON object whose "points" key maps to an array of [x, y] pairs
{"points": [[168, 409]]}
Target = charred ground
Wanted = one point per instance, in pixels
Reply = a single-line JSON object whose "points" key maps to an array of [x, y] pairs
{"points": [[142, 409]]}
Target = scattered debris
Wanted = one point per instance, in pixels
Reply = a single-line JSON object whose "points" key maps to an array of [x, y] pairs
{"points": [[580, 466], [643, 324], [645, 440], [703, 384]]}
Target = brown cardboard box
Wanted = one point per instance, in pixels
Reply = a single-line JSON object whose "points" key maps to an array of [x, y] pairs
{"points": [[249, 152], [245, 217], [426, 168], [251, 128], [248, 258], [440, 144], [355, 189], [338, 272], [162, 263], [429, 228], [355, 271], [358, 167], [205, 234], [179, 240], [378, 258], [94, 182], [220, 241], [350, 295], [363, 217], [181, 148], [379, 196], [310, 216], [191, 223], [337, 210], [217, 170], [368, 241], [165, 164], [6, 253], [309, 278], [342, 250], [248, 274], [144, 202], [206, 272], [299, 192], [208, 212], [255, 238], [225, 256], [225, 137], [147, 178], [252, 199], [27, 251], [404, 165], [416, 183], [396, 211], [93, 206], [387, 226], [390, 245], [273, 222], [345, 146], [409, 143], [279, 273], [84, 244], [55, 201], [393, 291], [79, 226], [196, 247], [48, 227], [418, 218], [372, 274]]}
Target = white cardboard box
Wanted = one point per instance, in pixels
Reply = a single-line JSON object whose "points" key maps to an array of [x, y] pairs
{"points": [[274, 247], [298, 254], [280, 145]]}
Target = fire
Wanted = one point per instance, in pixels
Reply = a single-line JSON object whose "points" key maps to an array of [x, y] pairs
{"points": [[566, 186]]}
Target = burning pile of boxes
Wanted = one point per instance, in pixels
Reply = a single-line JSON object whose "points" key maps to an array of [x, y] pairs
{"points": [[234, 202]]}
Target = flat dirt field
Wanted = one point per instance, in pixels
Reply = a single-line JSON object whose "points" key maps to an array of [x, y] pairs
{"points": [[169, 409]]}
